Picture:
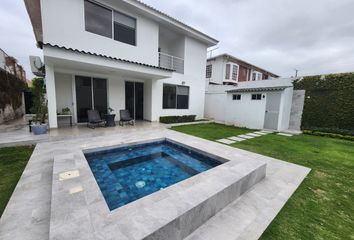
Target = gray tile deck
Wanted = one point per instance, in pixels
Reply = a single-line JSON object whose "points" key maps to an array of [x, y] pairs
{"points": [[28, 213]]}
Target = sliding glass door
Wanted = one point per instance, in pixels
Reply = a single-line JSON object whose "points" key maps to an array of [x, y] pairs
{"points": [[134, 99], [91, 93]]}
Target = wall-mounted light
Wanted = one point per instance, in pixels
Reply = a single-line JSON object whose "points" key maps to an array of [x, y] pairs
{"points": [[183, 83]]}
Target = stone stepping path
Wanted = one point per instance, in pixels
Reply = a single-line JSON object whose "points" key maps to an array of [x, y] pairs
{"points": [[285, 134], [225, 141], [243, 137], [237, 139]]}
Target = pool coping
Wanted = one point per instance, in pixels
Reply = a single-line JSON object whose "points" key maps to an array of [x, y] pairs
{"points": [[190, 203]]}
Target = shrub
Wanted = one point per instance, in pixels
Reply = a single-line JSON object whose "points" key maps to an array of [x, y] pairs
{"points": [[329, 101], [331, 135], [333, 130], [177, 119]]}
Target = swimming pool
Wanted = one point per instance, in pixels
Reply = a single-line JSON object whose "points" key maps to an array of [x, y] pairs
{"points": [[125, 174]]}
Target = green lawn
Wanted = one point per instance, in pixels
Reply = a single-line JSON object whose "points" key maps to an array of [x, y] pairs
{"points": [[323, 205], [12, 163]]}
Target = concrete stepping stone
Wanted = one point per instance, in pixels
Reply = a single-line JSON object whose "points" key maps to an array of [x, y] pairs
{"points": [[225, 141], [237, 139], [285, 134], [261, 133], [253, 134], [245, 136], [267, 131]]}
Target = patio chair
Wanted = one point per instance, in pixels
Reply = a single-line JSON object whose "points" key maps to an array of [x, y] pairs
{"points": [[125, 118], [94, 119]]}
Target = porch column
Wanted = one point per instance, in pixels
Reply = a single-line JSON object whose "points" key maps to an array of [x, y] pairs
{"points": [[51, 96]]}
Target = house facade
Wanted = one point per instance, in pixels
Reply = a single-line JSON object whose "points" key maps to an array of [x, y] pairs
{"points": [[228, 70], [119, 54]]}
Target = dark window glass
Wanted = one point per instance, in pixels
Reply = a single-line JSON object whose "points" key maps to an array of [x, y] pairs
{"points": [[256, 96], [169, 96], [98, 19], [83, 97], [236, 97], [209, 70], [227, 73], [124, 28], [182, 97], [100, 95]]}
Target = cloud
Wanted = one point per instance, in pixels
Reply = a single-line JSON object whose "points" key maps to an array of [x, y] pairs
{"points": [[279, 35]]}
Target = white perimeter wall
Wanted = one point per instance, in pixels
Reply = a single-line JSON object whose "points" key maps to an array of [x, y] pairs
{"points": [[64, 25]]}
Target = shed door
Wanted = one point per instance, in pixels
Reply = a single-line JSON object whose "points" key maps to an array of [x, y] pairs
{"points": [[272, 110]]}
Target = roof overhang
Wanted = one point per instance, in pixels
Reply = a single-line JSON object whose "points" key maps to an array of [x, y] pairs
{"points": [[264, 89], [34, 11], [70, 60], [167, 20]]}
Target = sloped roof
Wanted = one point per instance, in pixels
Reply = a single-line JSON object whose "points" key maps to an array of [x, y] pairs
{"points": [[262, 85], [108, 57], [225, 55]]}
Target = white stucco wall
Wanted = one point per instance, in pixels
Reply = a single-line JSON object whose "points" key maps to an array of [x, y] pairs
{"points": [[218, 71], [63, 89], [64, 25], [245, 112], [285, 109]]}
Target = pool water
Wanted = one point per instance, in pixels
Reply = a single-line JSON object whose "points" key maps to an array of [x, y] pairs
{"points": [[128, 173]]}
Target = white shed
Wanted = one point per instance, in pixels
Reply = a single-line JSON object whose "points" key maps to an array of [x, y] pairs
{"points": [[262, 104]]}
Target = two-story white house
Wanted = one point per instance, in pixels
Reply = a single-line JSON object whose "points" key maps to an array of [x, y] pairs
{"points": [[121, 54]]}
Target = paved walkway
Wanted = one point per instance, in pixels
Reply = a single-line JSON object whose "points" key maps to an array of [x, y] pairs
{"points": [[243, 137]]}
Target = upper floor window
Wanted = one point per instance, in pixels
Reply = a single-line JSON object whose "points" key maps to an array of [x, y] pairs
{"points": [[234, 72], [209, 70], [231, 72], [124, 28], [227, 73], [99, 20], [256, 76]]}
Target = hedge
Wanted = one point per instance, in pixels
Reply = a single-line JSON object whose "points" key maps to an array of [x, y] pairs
{"points": [[331, 135], [329, 101], [177, 119]]}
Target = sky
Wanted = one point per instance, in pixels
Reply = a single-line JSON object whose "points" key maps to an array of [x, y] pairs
{"points": [[313, 36]]}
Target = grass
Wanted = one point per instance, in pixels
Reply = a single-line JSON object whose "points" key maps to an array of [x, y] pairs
{"points": [[13, 161], [211, 131], [323, 205]]}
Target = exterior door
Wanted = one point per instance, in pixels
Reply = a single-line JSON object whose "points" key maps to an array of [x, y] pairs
{"points": [[272, 110], [91, 93], [134, 99]]}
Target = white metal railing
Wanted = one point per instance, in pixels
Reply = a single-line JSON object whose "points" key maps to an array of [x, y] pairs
{"points": [[171, 62]]}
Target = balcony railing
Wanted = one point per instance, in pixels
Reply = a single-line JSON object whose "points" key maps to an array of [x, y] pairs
{"points": [[171, 62]]}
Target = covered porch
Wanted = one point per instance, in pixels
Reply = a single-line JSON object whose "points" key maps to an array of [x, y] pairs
{"points": [[79, 81]]}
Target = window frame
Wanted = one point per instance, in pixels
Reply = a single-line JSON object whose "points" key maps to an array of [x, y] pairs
{"points": [[176, 96], [112, 22], [229, 73], [209, 72], [258, 76], [236, 97], [258, 96]]}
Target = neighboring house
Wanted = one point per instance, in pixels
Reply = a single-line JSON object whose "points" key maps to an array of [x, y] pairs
{"points": [[119, 54], [228, 70], [252, 104]]}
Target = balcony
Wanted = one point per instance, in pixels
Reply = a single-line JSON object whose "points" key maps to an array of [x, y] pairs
{"points": [[171, 62]]}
